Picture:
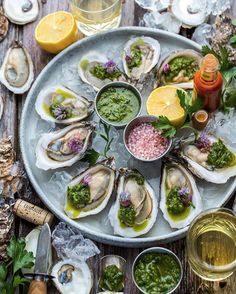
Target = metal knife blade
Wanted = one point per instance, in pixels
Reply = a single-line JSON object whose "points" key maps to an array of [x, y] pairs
{"points": [[43, 251]]}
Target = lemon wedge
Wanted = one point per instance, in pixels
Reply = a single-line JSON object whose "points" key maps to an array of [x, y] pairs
{"points": [[164, 101], [56, 31]]}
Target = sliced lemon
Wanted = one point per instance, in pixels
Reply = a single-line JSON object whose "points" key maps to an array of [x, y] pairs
{"points": [[56, 31], [164, 101]]}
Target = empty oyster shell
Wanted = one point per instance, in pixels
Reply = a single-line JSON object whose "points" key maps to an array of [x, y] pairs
{"points": [[64, 147], [178, 182], [88, 73], [1, 107], [89, 193], [191, 13], [182, 75], [4, 24], [22, 12], [135, 194], [140, 56], [17, 71], [61, 105], [72, 275], [196, 154]]}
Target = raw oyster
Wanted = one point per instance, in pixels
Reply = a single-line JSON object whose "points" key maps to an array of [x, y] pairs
{"points": [[209, 158], [61, 105], [21, 11], [64, 147], [17, 71], [1, 107], [96, 70], [89, 193], [4, 24], [71, 276], [140, 56], [169, 74], [137, 197], [180, 198]]}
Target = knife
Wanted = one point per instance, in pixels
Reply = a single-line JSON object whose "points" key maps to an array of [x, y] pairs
{"points": [[40, 276]]}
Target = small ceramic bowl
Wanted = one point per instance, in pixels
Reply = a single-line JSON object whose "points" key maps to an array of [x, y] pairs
{"points": [[159, 250], [116, 85], [135, 122]]}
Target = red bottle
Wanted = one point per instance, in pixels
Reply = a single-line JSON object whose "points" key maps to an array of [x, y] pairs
{"points": [[208, 83]]}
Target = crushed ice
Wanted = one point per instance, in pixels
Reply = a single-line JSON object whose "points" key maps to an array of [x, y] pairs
{"points": [[70, 244]]}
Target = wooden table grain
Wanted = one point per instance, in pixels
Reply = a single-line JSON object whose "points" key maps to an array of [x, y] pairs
{"points": [[9, 126]]}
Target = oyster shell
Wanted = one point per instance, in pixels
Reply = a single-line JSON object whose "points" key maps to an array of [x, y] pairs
{"points": [[61, 105], [22, 12], [148, 50], [1, 107], [64, 147], [176, 178], [196, 154], [71, 276], [179, 78], [136, 194], [110, 71], [99, 181], [17, 71], [4, 24]]}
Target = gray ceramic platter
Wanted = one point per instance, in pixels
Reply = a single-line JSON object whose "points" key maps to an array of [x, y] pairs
{"points": [[50, 185]]}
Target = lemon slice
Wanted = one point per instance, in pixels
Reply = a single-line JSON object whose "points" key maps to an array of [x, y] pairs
{"points": [[56, 31], [164, 101]]}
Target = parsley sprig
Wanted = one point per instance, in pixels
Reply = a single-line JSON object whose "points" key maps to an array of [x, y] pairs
{"points": [[11, 277], [163, 124]]}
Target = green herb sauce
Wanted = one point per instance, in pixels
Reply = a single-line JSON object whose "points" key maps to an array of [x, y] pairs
{"points": [[187, 65], [126, 215], [119, 105], [138, 178], [78, 195], [219, 156], [100, 72], [157, 273], [135, 58], [173, 202], [112, 279]]}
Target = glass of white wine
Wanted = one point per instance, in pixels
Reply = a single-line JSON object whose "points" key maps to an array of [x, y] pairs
{"points": [[211, 244], [94, 16]]}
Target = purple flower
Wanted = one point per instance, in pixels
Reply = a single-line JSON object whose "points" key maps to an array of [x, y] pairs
{"points": [[203, 143], [128, 58], [110, 66], [125, 199], [184, 191], [185, 196], [75, 144], [60, 112], [166, 68], [86, 180]]}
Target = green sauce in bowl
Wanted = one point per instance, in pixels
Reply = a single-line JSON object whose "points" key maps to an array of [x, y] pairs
{"points": [[118, 105]]}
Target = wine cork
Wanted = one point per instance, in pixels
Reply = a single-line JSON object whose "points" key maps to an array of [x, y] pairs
{"points": [[32, 213]]}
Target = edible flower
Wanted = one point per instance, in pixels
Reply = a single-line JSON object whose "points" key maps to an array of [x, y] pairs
{"points": [[60, 112], [86, 180], [203, 143], [75, 144], [125, 199], [166, 68], [110, 66], [186, 197]]}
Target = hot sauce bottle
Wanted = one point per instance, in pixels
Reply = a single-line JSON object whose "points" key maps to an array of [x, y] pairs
{"points": [[208, 83]]}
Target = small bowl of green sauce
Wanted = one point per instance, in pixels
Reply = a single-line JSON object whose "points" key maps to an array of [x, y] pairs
{"points": [[157, 270], [117, 103]]}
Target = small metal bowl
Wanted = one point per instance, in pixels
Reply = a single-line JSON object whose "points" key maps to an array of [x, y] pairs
{"points": [[135, 122], [116, 85], [159, 250]]}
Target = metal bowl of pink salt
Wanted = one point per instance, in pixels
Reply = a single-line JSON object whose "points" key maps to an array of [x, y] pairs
{"points": [[143, 141]]}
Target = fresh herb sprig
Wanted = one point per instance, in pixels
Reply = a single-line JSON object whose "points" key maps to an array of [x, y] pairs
{"points": [[91, 157], [163, 124], [11, 277], [232, 40]]}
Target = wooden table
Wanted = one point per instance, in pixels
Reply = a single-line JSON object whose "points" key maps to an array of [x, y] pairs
{"points": [[9, 126]]}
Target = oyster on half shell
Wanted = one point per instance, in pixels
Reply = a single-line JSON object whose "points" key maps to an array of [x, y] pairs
{"points": [[180, 199], [89, 192], [209, 158], [97, 70], [61, 105], [179, 68], [72, 275], [140, 56], [135, 209], [21, 11], [17, 71], [64, 147]]}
